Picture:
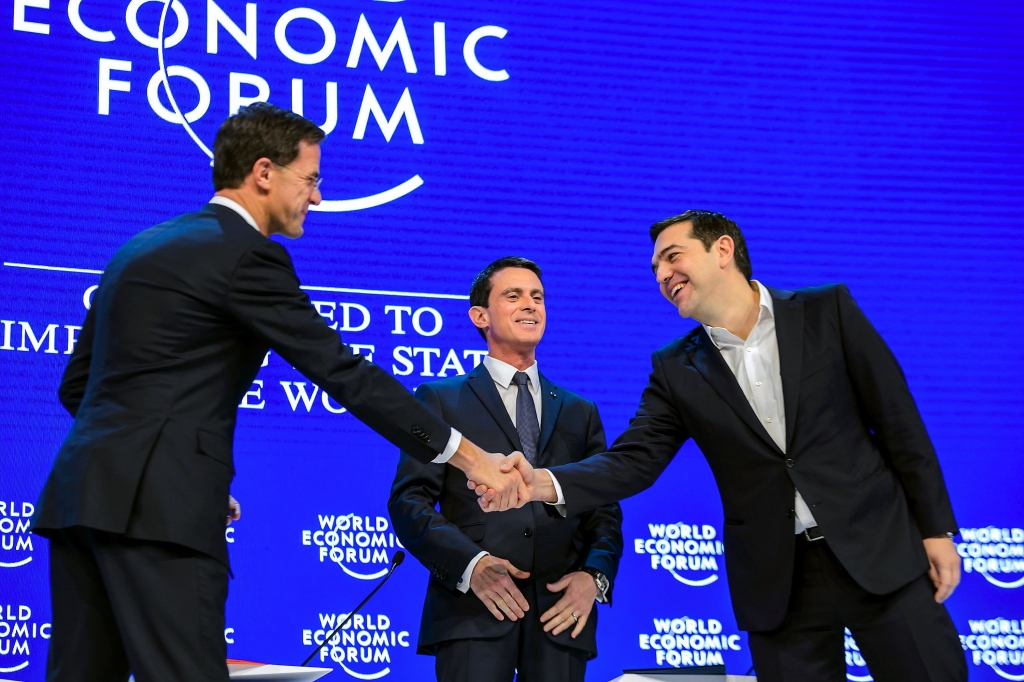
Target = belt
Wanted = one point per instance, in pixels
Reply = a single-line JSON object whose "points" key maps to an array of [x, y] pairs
{"points": [[812, 534]]}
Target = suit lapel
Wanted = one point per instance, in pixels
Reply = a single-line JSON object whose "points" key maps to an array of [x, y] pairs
{"points": [[708, 360], [789, 333], [550, 405], [483, 386]]}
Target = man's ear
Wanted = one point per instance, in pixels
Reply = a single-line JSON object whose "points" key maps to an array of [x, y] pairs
{"points": [[726, 248], [478, 316], [262, 171]]}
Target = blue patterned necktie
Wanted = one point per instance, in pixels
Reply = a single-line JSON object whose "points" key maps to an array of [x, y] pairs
{"points": [[527, 424]]}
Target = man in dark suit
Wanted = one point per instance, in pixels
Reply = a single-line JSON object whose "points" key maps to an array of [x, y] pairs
{"points": [[836, 512], [534, 575], [135, 504]]}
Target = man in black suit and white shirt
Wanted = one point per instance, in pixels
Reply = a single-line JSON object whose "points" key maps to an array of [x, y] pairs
{"points": [[836, 512], [534, 575], [185, 312]]}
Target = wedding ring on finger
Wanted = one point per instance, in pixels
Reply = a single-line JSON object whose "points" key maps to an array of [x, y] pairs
{"points": [[575, 617]]}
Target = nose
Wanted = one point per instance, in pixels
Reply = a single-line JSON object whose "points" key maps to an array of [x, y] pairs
{"points": [[317, 197], [663, 273]]}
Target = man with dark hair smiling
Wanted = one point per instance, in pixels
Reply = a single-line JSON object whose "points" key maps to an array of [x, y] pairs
{"points": [[534, 576], [836, 512], [135, 504]]}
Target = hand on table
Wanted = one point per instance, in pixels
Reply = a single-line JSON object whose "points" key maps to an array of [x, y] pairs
{"points": [[234, 509], [491, 583], [573, 609], [944, 568]]}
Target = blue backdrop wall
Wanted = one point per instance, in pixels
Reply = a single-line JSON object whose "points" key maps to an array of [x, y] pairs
{"points": [[874, 143]]}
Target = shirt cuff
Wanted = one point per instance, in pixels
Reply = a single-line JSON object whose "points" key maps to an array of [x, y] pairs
{"points": [[463, 585], [454, 441], [558, 504]]}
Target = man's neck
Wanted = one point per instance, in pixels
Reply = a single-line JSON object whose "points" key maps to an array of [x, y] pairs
{"points": [[251, 204], [736, 309], [520, 359]]}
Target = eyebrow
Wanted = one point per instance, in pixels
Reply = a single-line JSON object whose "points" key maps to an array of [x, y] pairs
{"points": [[661, 254], [519, 290]]}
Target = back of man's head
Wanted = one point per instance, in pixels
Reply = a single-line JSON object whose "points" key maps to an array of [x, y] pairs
{"points": [[708, 226], [260, 130]]}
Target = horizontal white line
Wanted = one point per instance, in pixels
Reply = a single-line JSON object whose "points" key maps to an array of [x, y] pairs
{"points": [[340, 290], [53, 267], [418, 294]]}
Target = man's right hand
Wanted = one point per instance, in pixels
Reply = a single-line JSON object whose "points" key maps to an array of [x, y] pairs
{"points": [[535, 486], [482, 467], [491, 583]]}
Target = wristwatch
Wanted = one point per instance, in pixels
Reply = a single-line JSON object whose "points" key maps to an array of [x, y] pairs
{"points": [[602, 581]]}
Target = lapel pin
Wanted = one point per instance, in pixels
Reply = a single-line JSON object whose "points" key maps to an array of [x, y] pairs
{"points": [[552, 394]]}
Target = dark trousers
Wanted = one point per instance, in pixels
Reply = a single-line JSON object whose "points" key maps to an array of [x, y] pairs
{"points": [[525, 653], [903, 636], [122, 605]]}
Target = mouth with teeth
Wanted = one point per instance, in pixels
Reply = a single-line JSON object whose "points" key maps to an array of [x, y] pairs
{"points": [[677, 288], [530, 322]]}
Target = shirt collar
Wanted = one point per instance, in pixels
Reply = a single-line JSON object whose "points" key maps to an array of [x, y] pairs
{"points": [[502, 372], [721, 335], [236, 207]]}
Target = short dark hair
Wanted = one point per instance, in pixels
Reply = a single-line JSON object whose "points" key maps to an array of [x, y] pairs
{"points": [[480, 291], [257, 131], [708, 226]]}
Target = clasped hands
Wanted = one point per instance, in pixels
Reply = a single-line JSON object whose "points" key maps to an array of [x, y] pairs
{"points": [[501, 482]]}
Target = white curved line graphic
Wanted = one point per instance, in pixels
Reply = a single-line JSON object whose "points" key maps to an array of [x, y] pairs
{"points": [[694, 583], [361, 203], [14, 565], [167, 82], [859, 678], [15, 668], [373, 576], [1008, 586], [1006, 676], [371, 676], [329, 206]]}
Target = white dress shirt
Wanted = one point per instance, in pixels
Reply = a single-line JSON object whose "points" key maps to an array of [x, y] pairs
{"points": [[755, 364], [455, 439], [502, 373]]}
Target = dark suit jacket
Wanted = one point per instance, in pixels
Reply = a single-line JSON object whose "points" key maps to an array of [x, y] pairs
{"points": [[182, 319], [535, 538], [856, 448]]}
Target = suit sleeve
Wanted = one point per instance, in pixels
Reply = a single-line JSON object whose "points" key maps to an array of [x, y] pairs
{"points": [[602, 527], [437, 543], [638, 456], [892, 415], [76, 374], [264, 296]]}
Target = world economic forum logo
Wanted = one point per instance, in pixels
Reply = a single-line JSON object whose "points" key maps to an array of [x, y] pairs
{"points": [[685, 642], [21, 634], [362, 648], [856, 666], [360, 545], [997, 643], [690, 552], [15, 537], [303, 36], [995, 553]]}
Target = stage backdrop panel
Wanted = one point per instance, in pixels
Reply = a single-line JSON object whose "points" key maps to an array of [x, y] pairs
{"points": [[873, 143]]}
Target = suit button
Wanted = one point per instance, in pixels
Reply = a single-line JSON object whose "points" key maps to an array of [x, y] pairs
{"points": [[791, 463], [420, 433], [528, 532], [790, 514]]}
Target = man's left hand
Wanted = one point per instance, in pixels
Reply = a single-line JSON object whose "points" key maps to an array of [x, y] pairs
{"points": [[578, 600], [234, 509], [945, 566]]}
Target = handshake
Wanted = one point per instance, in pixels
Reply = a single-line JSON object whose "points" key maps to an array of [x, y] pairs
{"points": [[502, 482]]}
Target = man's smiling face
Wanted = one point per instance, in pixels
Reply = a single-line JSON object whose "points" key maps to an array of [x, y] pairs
{"points": [[515, 315], [686, 272]]}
